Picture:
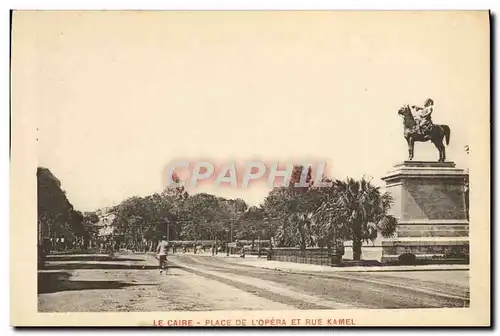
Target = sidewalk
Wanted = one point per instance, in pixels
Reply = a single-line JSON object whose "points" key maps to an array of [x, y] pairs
{"points": [[221, 255], [305, 268], [262, 262]]}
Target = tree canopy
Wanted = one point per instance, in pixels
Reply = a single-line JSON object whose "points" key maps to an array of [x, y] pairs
{"points": [[293, 215], [56, 216]]}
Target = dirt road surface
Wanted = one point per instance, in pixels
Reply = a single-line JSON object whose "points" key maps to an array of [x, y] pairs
{"points": [[132, 283]]}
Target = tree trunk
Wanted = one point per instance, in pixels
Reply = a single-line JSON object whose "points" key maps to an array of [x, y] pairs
{"points": [[303, 246], [302, 238], [328, 244], [356, 248]]}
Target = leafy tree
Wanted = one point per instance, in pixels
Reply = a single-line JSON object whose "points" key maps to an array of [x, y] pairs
{"points": [[232, 212], [172, 205], [197, 217], [252, 225], [75, 219], [204, 218], [294, 207], [90, 219], [330, 224], [56, 216]]}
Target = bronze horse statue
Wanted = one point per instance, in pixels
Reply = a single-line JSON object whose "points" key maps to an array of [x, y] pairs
{"points": [[436, 134]]}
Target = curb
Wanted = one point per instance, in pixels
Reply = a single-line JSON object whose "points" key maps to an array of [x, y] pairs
{"points": [[365, 269], [374, 269]]}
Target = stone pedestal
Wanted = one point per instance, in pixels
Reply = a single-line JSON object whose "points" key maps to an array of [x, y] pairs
{"points": [[429, 203]]}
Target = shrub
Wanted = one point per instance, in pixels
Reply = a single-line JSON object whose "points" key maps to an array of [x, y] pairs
{"points": [[456, 253], [407, 259]]}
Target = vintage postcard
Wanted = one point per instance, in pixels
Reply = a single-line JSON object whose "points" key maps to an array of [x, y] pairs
{"points": [[250, 168]]}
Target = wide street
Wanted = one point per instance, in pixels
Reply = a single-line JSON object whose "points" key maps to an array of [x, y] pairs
{"points": [[132, 282]]}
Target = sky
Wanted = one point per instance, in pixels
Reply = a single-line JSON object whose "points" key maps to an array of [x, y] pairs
{"points": [[120, 95]]}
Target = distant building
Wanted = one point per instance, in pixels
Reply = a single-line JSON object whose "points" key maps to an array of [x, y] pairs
{"points": [[105, 222]]}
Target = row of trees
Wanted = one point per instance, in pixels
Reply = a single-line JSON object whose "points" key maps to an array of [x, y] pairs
{"points": [[56, 216], [143, 220], [294, 216]]}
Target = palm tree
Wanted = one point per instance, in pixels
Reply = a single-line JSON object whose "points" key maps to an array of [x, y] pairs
{"points": [[366, 210], [355, 210]]}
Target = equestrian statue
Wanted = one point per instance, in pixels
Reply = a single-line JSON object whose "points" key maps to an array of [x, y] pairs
{"points": [[418, 126]]}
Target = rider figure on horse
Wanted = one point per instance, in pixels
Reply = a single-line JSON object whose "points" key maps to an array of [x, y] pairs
{"points": [[423, 116]]}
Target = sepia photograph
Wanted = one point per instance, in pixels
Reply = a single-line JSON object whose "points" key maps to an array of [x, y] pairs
{"points": [[250, 168]]}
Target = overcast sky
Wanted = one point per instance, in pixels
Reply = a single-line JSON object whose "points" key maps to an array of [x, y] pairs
{"points": [[120, 95]]}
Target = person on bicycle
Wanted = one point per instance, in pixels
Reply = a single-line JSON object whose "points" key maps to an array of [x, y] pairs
{"points": [[162, 251]]}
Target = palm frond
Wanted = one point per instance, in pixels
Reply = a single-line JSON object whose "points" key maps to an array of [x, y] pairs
{"points": [[388, 226]]}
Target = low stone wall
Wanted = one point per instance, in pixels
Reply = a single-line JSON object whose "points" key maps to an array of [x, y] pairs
{"points": [[319, 256], [367, 253], [445, 250], [316, 256]]}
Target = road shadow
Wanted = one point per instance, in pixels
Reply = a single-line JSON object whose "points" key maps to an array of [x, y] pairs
{"points": [[75, 251], [52, 282], [87, 258], [94, 266]]}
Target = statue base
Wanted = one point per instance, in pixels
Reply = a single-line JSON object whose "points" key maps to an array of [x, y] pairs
{"points": [[429, 203]]}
